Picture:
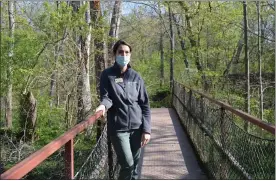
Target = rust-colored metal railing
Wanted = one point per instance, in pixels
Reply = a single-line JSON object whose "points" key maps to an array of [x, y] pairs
{"points": [[67, 139], [256, 121]]}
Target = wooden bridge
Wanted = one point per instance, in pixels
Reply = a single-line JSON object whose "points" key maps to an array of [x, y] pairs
{"points": [[199, 138], [169, 154]]}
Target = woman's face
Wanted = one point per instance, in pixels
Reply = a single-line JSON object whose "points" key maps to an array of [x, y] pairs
{"points": [[123, 50]]}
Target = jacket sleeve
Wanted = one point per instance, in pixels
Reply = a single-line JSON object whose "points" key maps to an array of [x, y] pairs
{"points": [[143, 101], [104, 95]]}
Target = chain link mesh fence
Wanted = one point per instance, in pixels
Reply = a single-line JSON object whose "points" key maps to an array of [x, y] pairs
{"points": [[101, 162], [225, 149]]}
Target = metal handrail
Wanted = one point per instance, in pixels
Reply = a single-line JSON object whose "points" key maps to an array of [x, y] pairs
{"points": [[247, 117], [28, 164]]}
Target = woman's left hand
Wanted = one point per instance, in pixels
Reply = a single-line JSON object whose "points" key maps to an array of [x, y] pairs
{"points": [[145, 139]]}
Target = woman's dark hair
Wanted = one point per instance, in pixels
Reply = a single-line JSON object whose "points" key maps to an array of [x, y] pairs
{"points": [[117, 44]]}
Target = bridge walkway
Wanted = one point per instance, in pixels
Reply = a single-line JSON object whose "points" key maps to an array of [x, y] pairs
{"points": [[169, 154]]}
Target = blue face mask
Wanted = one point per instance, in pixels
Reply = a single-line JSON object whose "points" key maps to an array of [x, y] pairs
{"points": [[122, 60]]}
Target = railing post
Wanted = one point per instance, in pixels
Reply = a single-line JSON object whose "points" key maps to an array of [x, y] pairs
{"points": [[184, 98], [190, 101], [172, 92], [190, 118], [69, 160], [223, 133], [202, 108]]}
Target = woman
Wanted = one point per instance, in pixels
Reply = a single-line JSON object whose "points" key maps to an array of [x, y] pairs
{"points": [[123, 94]]}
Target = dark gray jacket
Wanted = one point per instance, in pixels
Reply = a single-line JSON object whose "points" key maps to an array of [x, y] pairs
{"points": [[126, 100]]}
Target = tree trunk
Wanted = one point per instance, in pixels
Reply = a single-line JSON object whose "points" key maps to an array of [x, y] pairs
{"points": [[263, 24], [10, 63], [52, 87], [1, 97], [114, 29], [246, 65], [274, 67], [99, 55], [28, 114], [83, 52], [162, 76], [67, 117], [98, 42], [172, 48], [261, 111], [182, 41], [188, 17], [194, 43], [235, 57], [53, 81]]}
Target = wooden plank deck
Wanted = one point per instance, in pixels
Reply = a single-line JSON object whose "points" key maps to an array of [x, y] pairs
{"points": [[169, 154]]}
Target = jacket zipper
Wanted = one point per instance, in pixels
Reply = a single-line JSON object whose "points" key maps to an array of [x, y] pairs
{"points": [[129, 125]]}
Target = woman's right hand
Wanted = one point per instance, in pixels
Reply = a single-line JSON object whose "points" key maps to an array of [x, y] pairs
{"points": [[100, 108]]}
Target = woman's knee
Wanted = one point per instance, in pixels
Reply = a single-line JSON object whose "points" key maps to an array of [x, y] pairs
{"points": [[127, 162]]}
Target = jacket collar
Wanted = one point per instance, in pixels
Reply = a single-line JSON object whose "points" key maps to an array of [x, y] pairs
{"points": [[118, 69]]}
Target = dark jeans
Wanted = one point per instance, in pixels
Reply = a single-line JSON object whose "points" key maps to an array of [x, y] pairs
{"points": [[127, 145]]}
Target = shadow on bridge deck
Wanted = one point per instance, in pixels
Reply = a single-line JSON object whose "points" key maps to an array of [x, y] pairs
{"points": [[169, 154]]}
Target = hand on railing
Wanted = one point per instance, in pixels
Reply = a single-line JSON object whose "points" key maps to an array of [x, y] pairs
{"points": [[101, 108]]}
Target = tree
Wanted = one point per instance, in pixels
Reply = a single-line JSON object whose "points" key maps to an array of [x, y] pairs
{"points": [[260, 63], [9, 65], [172, 47], [235, 57], [195, 39], [28, 114], [55, 74], [98, 41], [83, 52], [162, 76], [99, 48], [182, 41], [246, 64], [114, 28], [0, 58]]}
